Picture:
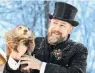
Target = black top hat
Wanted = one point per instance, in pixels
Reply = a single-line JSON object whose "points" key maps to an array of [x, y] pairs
{"points": [[65, 12]]}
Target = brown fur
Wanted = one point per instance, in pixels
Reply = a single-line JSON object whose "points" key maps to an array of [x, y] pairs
{"points": [[17, 36]]}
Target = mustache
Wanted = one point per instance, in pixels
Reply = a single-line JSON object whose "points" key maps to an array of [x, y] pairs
{"points": [[56, 32]]}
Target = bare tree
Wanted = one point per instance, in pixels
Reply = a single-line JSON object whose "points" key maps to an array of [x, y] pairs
{"points": [[46, 7]]}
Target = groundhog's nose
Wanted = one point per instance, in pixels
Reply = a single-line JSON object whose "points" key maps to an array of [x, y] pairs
{"points": [[25, 30]]}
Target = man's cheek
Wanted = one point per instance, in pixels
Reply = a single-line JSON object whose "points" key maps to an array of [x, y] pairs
{"points": [[49, 30], [64, 34]]}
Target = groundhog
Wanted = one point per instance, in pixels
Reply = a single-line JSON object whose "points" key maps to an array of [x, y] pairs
{"points": [[19, 35]]}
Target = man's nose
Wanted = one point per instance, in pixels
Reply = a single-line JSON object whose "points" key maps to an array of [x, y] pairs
{"points": [[57, 28]]}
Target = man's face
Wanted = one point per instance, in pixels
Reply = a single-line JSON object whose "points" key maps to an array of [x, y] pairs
{"points": [[58, 30]]}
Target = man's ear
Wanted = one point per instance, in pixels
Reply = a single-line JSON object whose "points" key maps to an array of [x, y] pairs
{"points": [[71, 29], [49, 20]]}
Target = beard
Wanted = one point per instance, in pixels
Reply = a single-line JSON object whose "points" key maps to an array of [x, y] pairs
{"points": [[54, 37]]}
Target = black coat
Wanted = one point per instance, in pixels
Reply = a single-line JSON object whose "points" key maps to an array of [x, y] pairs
{"points": [[64, 57]]}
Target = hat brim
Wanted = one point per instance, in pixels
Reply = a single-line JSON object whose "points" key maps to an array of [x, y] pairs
{"points": [[72, 22]]}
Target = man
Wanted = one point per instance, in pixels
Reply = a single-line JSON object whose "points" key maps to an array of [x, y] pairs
{"points": [[56, 53]]}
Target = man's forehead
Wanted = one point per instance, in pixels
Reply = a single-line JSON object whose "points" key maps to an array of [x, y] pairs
{"points": [[61, 21]]}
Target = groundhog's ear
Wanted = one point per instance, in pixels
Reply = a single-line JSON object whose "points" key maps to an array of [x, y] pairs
{"points": [[9, 35], [6, 36]]}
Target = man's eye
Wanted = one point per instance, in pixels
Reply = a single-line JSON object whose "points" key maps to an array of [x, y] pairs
{"points": [[54, 22], [61, 25]]}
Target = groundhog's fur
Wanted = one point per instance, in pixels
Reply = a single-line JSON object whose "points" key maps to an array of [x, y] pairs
{"points": [[17, 36]]}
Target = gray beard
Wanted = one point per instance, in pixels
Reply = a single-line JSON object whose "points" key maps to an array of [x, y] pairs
{"points": [[54, 40]]}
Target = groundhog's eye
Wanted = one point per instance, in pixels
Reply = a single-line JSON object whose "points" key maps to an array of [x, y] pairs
{"points": [[28, 28], [20, 27]]}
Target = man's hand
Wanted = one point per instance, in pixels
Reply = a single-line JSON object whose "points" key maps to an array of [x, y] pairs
{"points": [[32, 63]]}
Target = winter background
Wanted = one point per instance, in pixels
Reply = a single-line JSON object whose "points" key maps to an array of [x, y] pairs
{"points": [[34, 15]]}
